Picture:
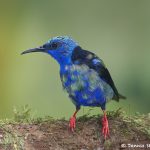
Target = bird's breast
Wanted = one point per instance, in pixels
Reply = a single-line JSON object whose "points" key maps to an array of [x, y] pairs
{"points": [[75, 78], [83, 83]]}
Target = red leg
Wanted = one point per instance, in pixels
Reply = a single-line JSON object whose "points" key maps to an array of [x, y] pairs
{"points": [[105, 128], [72, 122]]}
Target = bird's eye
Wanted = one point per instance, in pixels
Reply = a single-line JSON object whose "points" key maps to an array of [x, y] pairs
{"points": [[54, 45]]}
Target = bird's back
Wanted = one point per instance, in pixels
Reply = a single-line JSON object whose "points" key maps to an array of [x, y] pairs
{"points": [[88, 58]]}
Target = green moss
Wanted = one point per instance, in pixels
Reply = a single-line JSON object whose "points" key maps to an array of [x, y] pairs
{"points": [[108, 144], [11, 138]]}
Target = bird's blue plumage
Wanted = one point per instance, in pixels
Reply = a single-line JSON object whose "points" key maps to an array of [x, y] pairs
{"points": [[84, 85], [83, 75]]}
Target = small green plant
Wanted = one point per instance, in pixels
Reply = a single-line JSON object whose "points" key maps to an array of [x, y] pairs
{"points": [[108, 144], [23, 114]]}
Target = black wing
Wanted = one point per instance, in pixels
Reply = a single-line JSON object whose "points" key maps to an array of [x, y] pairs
{"points": [[80, 56]]}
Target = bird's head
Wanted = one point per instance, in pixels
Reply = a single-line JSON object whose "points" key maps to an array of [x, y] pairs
{"points": [[60, 48]]}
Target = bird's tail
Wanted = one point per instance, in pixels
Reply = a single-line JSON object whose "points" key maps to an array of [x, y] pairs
{"points": [[121, 96]]}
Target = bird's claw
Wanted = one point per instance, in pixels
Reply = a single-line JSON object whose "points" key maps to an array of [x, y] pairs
{"points": [[72, 123], [105, 128]]}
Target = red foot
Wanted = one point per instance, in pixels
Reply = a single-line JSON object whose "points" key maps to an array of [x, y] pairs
{"points": [[72, 123], [105, 128]]}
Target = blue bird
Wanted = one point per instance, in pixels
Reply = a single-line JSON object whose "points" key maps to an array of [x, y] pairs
{"points": [[83, 75]]}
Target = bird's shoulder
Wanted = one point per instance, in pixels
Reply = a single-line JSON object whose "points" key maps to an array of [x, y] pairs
{"points": [[81, 56]]}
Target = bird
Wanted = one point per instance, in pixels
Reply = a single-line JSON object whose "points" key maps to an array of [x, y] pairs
{"points": [[84, 77]]}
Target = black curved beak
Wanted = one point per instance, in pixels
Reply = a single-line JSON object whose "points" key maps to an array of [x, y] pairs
{"points": [[38, 49]]}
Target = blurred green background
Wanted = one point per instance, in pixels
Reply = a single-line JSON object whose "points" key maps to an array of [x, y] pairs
{"points": [[117, 31]]}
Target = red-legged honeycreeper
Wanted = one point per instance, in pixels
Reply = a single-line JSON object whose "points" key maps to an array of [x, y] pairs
{"points": [[83, 75]]}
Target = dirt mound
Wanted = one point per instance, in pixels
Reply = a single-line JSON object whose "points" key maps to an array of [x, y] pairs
{"points": [[54, 134]]}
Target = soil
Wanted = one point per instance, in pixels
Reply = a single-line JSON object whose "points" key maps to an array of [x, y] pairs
{"points": [[55, 135]]}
